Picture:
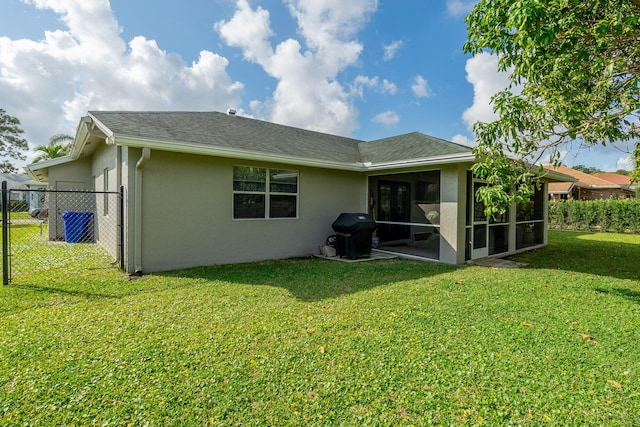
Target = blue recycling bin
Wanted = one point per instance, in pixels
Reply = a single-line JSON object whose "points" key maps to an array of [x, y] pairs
{"points": [[76, 226]]}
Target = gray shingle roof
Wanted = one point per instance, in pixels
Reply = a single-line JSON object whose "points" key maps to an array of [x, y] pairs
{"points": [[220, 130], [15, 181], [223, 131], [414, 145]]}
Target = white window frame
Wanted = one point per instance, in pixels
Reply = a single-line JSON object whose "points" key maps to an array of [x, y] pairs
{"points": [[267, 195]]}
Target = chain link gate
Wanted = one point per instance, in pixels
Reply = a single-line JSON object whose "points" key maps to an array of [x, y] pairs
{"points": [[60, 230]]}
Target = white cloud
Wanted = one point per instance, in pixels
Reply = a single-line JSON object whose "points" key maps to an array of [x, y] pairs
{"points": [[388, 118], [388, 87], [420, 88], [563, 157], [248, 29], [373, 83], [463, 140], [483, 74], [49, 84], [308, 94], [460, 7], [391, 49], [625, 163]]}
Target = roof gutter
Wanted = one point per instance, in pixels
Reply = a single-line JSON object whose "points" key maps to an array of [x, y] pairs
{"points": [[451, 158], [598, 187], [257, 156], [32, 168]]}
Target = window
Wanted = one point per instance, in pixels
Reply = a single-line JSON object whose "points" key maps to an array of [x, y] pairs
{"points": [[264, 193]]}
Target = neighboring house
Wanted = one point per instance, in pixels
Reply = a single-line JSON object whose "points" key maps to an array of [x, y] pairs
{"points": [[624, 181], [587, 187], [205, 188], [22, 181]]}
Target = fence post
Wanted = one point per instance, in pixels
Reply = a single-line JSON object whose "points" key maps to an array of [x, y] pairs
{"points": [[5, 234], [122, 227]]}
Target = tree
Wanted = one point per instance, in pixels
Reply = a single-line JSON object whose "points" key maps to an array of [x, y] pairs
{"points": [[58, 146], [587, 169], [7, 167], [574, 72], [12, 144]]}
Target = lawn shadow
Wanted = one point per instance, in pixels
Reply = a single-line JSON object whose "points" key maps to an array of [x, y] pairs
{"points": [[316, 279], [597, 254], [67, 292], [633, 296]]}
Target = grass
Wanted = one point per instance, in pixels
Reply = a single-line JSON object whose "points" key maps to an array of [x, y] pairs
{"points": [[315, 342]]}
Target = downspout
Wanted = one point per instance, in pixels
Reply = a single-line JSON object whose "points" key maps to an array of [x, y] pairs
{"points": [[137, 255]]}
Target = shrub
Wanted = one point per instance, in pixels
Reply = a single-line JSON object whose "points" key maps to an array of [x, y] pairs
{"points": [[18, 205], [607, 215]]}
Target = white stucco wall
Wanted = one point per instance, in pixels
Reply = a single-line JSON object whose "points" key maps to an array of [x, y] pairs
{"points": [[453, 206], [187, 217], [68, 176], [106, 230]]}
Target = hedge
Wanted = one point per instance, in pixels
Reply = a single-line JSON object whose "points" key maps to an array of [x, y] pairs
{"points": [[606, 215]]}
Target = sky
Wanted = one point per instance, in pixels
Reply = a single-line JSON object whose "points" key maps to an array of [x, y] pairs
{"points": [[366, 69]]}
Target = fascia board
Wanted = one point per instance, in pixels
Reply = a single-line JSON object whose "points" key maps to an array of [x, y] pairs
{"points": [[256, 156], [83, 133], [429, 161], [48, 163], [110, 138], [553, 176], [234, 154], [80, 139], [603, 187], [44, 165]]}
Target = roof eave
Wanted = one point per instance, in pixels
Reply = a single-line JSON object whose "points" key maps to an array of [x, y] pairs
{"points": [[188, 148], [427, 161], [89, 126], [553, 176], [39, 171], [605, 187]]}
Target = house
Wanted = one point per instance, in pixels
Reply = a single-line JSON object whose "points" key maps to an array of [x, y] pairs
{"points": [[204, 188], [624, 181], [588, 187], [27, 199]]}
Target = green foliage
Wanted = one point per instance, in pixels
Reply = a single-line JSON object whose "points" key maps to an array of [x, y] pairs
{"points": [[7, 167], [587, 169], [59, 146], [604, 215], [18, 205], [11, 142], [575, 76], [507, 181], [635, 174], [315, 342]]}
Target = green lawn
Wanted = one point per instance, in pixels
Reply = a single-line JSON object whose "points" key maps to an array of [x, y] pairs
{"points": [[315, 342]]}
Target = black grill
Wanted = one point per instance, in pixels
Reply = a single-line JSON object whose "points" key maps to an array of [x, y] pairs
{"points": [[353, 234]]}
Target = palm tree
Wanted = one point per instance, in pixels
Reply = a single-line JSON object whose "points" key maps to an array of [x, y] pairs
{"points": [[59, 146]]}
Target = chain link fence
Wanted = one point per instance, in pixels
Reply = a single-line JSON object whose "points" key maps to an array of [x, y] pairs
{"points": [[49, 232]]}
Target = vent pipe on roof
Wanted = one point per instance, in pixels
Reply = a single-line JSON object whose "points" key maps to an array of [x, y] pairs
{"points": [[231, 112]]}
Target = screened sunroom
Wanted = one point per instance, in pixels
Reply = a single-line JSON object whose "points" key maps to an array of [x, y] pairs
{"points": [[411, 220], [406, 208]]}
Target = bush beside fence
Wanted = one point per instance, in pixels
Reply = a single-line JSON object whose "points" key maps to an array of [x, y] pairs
{"points": [[608, 215]]}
